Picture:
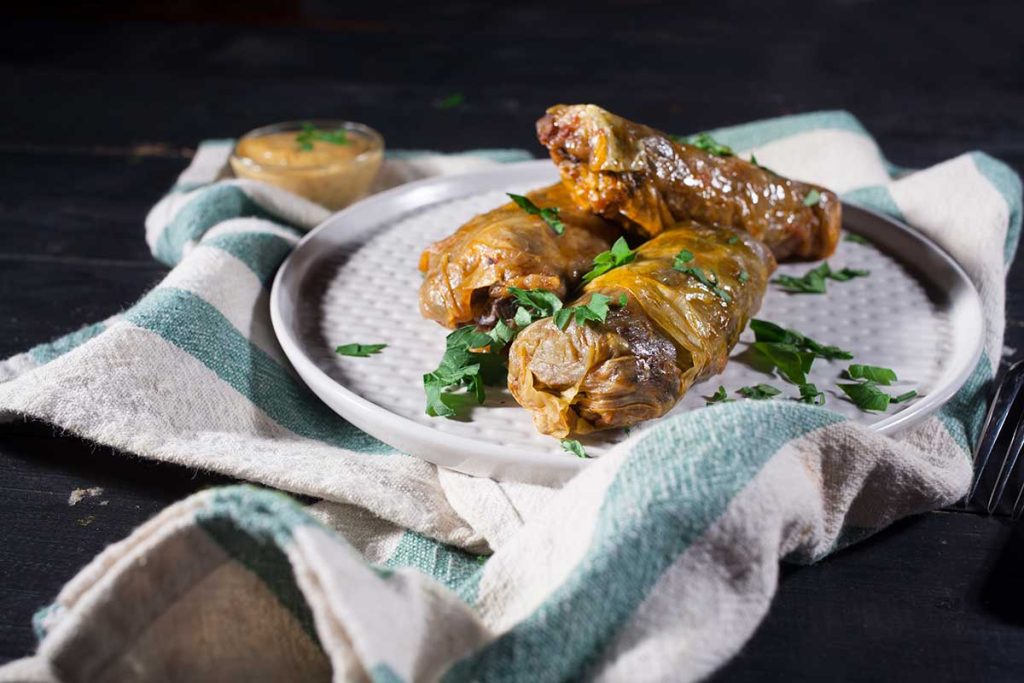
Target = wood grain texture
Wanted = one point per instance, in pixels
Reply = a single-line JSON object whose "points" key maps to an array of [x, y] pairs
{"points": [[101, 117]]}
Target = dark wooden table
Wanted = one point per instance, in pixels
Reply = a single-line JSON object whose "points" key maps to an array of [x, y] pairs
{"points": [[99, 116]]}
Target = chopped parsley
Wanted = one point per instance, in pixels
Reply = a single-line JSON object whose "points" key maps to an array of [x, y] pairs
{"points": [[360, 350], [548, 215], [743, 276], [814, 280], [765, 331], [865, 394], [810, 394], [619, 255], [719, 396], [855, 238], [451, 101], [596, 310], [471, 359], [705, 277], [540, 302], [871, 373], [812, 198], [733, 239], [759, 392], [709, 144], [310, 134], [575, 447], [792, 363]]}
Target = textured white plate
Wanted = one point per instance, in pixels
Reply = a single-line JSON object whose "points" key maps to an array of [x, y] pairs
{"points": [[355, 279]]}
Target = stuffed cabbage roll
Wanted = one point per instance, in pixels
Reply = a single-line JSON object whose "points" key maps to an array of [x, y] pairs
{"points": [[644, 180], [468, 274], [687, 297]]}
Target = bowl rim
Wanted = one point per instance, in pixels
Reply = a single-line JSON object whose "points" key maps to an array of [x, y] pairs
{"points": [[373, 136]]}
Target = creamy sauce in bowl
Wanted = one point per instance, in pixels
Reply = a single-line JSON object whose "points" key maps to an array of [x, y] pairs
{"points": [[331, 163]]}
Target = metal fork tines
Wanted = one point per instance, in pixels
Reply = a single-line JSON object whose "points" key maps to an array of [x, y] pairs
{"points": [[1003, 433]]}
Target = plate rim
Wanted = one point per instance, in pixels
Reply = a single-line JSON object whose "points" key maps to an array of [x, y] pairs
{"points": [[481, 458]]}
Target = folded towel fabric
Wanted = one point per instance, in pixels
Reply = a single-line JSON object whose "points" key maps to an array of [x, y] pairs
{"points": [[655, 563]]}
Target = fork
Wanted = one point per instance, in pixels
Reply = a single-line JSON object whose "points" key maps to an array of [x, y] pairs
{"points": [[991, 483]]}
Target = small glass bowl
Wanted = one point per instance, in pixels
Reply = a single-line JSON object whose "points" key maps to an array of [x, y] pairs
{"points": [[330, 174]]}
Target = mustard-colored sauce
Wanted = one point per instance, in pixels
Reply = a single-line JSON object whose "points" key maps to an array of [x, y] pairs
{"points": [[330, 174]]}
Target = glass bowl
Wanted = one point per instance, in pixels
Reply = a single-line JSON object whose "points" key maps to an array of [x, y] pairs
{"points": [[330, 162]]}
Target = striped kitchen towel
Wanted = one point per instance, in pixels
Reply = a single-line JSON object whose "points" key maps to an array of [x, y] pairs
{"points": [[657, 562]]}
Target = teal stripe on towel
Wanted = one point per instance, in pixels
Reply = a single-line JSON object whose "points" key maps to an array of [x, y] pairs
{"points": [[195, 326], [875, 197], [963, 416], [678, 480], [1008, 184], [254, 526], [44, 353], [457, 569], [211, 206], [262, 252], [748, 135]]}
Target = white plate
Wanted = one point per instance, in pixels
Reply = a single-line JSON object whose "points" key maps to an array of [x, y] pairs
{"points": [[355, 279]]}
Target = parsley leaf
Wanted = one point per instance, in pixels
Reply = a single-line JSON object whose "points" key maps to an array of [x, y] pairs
{"points": [[360, 350], [451, 101], [813, 281], [855, 238], [719, 396], [792, 363], [812, 198], [872, 373], [709, 144], [619, 255], [867, 396], [705, 277], [904, 397], [548, 215], [596, 309], [759, 392], [575, 447], [310, 133], [770, 332], [539, 301], [470, 360], [810, 394]]}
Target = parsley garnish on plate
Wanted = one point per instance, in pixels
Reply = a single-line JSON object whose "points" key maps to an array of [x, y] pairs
{"points": [[759, 392], [548, 215], [792, 363], [866, 394], [575, 447], [471, 360], [451, 101], [310, 134], [619, 255], [855, 238], [360, 350], [705, 277], [810, 394], [765, 331], [540, 302], [719, 396], [814, 280], [812, 198], [871, 373]]}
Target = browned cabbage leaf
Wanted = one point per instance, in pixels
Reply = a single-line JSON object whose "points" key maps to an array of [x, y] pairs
{"points": [[641, 178], [672, 332], [467, 275]]}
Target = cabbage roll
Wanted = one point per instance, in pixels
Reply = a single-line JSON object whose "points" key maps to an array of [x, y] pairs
{"points": [[646, 181], [677, 310], [467, 275]]}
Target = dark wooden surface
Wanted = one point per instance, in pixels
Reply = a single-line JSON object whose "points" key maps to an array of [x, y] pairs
{"points": [[99, 117]]}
